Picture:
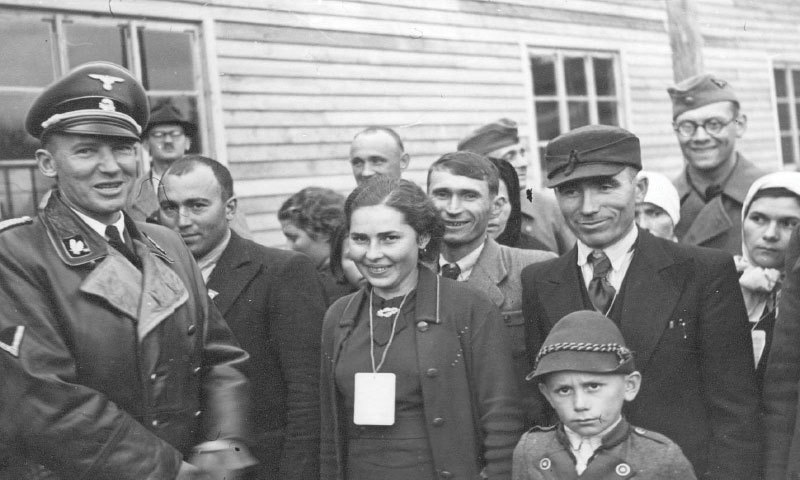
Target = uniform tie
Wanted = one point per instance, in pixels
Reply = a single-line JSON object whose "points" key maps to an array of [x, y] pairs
{"points": [[601, 292], [115, 240], [451, 270]]}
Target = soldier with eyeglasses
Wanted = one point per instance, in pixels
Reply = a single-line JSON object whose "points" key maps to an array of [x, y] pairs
{"points": [[708, 121]]}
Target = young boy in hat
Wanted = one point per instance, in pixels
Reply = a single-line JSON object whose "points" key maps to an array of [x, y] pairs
{"points": [[586, 373]]}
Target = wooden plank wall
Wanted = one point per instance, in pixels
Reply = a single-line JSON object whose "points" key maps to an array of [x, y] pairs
{"points": [[299, 79]]}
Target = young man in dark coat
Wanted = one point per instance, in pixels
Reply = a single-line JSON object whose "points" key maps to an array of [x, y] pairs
{"points": [[273, 301], [679, 307]]}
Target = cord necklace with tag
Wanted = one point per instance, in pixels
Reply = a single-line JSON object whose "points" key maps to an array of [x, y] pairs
{"points": [[391, 335]]}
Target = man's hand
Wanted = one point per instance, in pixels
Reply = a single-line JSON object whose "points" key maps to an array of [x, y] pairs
{"points": [[190, 472]]}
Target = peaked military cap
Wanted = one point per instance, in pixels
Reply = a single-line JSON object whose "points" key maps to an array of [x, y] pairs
{"points": [[591, 151], [699, 90], [96, 98], [489, 138], [583, 341], [169, 113]]}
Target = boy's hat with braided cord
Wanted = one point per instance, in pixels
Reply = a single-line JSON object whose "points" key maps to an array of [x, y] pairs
{"points": [[583, 341]]}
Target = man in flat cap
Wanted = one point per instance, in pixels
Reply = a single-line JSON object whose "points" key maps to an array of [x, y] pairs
{"points": [[541, 218], [707, 120], [678, 306], [115, 362], [377, 150]]}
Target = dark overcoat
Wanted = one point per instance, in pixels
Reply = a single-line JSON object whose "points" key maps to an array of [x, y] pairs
{"points": [[469, 395], [683, 316], [273, 302]]}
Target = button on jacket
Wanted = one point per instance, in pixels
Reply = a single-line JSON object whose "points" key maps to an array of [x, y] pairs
{"points": [[108, 371]]}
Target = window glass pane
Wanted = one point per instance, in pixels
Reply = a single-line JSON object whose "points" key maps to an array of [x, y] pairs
{"points": [[578, 114], [796, 113], [607, 113], [796, 82], [167, 60], [547, 120], [786, 150], [15, 143], [780, 82], [544, 76], [575, 76], [783, 116], [21, 188], [21, 41], [187, 105], [604, 76], [86, 43]]}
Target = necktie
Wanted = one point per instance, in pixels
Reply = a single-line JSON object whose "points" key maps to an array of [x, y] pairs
{"points": [[713, 191], [115, 240], [451, 270], [601, 292]]}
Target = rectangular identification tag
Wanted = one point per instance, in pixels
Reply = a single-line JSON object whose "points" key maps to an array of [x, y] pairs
{"points": [[374, 399]]}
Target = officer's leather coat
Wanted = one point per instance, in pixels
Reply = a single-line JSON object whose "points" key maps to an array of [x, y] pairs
{"points": [[108, 372]]}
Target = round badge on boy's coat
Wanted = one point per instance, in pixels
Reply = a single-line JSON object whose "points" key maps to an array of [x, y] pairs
{"points": [[422, 326], [623, 470], [544, 464]]}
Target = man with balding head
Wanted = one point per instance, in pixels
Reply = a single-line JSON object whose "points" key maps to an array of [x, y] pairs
{"points": [[377, 151], [708, 121], [541, 218]]}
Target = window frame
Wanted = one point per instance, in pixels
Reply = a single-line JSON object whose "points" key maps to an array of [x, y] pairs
{"points": [[792, 100]]}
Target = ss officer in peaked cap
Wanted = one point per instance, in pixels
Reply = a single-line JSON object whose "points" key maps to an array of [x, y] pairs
{"points": [[115, 363]]}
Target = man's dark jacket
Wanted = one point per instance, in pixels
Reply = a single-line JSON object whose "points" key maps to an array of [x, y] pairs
{"points": [[273, 303], [681, 311]]}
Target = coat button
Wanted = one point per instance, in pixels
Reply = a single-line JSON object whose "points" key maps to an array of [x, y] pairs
{"points": [[196, 370], [153, 378], [422, 326], [445, 474], [192, 328], [438, 422], [198, 413], [154, 423], [623, 469], [544, 463], [507, 318], [432, 372]]}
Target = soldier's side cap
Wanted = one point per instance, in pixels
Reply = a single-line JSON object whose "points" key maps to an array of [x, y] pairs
{"points": [[96, 98], [583, 341], [167, 113], [699, 90], [489, 138], [591, 151]]}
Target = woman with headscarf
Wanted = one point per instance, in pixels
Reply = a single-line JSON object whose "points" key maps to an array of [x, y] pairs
{"points": [[770, 212]]}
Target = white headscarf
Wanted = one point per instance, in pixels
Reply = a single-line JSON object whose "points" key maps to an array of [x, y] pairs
{"points": [[662, 193], [758, 283]]}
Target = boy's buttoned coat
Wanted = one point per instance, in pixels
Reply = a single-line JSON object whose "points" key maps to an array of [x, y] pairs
{"points": [[469, 395]]}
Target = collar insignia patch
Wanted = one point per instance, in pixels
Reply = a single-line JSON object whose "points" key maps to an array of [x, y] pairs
{"points": [[11, 338], [76, 246]]}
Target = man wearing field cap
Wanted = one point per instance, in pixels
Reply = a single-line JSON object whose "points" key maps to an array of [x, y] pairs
{"points": [[541, 218], [678, 307], [115, 362], [707, 121]]}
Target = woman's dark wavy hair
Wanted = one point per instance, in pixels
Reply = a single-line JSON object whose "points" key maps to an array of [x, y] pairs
{"points": [[510, 236], [407, 198], [315, 210]]}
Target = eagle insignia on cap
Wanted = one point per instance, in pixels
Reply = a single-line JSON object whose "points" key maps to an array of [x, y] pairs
{"points": [[107, 105], [76, 246], [718, 82], [108, 80]]}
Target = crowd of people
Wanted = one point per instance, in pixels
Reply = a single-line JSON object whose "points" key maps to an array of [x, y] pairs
{"points": [[627, 326]]}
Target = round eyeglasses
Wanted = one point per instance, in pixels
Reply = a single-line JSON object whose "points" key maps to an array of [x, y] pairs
{"points": [[159, 134], [712, 126]]}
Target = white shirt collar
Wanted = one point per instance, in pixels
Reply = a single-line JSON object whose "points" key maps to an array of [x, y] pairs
{"points": [[466, 264], [100, 227], [210, 259], [616, 252]]}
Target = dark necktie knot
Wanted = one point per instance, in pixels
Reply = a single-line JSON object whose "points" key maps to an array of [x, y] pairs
{"points": [[451, 270], [713, 191], [115, 240], [600, 290]]}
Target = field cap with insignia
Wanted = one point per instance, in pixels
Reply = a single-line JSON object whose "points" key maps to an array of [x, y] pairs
{"points": [[489, 138], [583, 341], [167, 113], [699, 90], [591, 151], [96, 98]]}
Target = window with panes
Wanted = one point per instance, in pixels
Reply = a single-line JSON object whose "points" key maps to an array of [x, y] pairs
{"points": [[39, 47], [571, 89], [787, 96]]}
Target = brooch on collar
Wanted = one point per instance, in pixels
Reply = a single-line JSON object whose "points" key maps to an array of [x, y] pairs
{"points": [[387, 312]]}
